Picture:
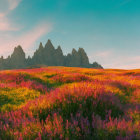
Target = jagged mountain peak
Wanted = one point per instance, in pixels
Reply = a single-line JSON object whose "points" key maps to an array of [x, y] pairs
{"points": [[48, 56], [49, 44], [18, 51], [74, 51]]}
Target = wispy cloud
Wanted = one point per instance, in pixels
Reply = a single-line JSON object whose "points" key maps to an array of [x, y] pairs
{"points": [[8, 40], [29, 38], [100, 55], [5, 23], [132, 62], [113, 59], [13, 4], [104, 54], [2, 15], [26, 40], [124, 2]]}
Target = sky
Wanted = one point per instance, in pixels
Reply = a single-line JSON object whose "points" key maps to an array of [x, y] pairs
{"points": [[108, 30]]}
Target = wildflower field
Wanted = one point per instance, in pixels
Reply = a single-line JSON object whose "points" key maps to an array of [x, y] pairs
{"points": [[69, 103]]}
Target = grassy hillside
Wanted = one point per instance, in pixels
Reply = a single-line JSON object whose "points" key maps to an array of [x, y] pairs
{"points": [[69, 103]]}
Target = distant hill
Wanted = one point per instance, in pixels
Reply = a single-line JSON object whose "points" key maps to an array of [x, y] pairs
{"points": [[47, 56]]}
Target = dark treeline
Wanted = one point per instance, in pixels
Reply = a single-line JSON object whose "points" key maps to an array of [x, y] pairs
{"points": [[47, 55]]}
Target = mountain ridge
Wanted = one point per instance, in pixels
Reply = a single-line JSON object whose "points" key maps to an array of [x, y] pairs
{"points": [[49, 56]]}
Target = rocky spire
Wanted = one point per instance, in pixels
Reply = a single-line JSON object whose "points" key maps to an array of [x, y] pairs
{"points": [[83, 58], [17, 59], [49, 45], [47, 55]]}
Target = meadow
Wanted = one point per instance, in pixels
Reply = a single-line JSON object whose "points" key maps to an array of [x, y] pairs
{"points": [[70, 103]]}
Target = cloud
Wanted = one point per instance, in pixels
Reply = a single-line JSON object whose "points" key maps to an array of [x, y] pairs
{"points": [[26, 40], [8, 40], [101, 56], [135, 58], [104, 54], [124, 2], [132, 62], [2, 15], [113, 59], [5, 23], [29, 38], [123, 62], [13, 4], [128, 62]]}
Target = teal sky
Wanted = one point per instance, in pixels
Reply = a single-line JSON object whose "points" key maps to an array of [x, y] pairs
{"points": [[108, 30]]}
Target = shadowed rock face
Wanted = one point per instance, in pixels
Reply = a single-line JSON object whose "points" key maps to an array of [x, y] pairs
{"points": [[96, 65], [48, 56], [17, 59]]}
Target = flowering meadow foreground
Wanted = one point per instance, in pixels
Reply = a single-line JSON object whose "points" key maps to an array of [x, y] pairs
{"points": [[69, 103]]}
